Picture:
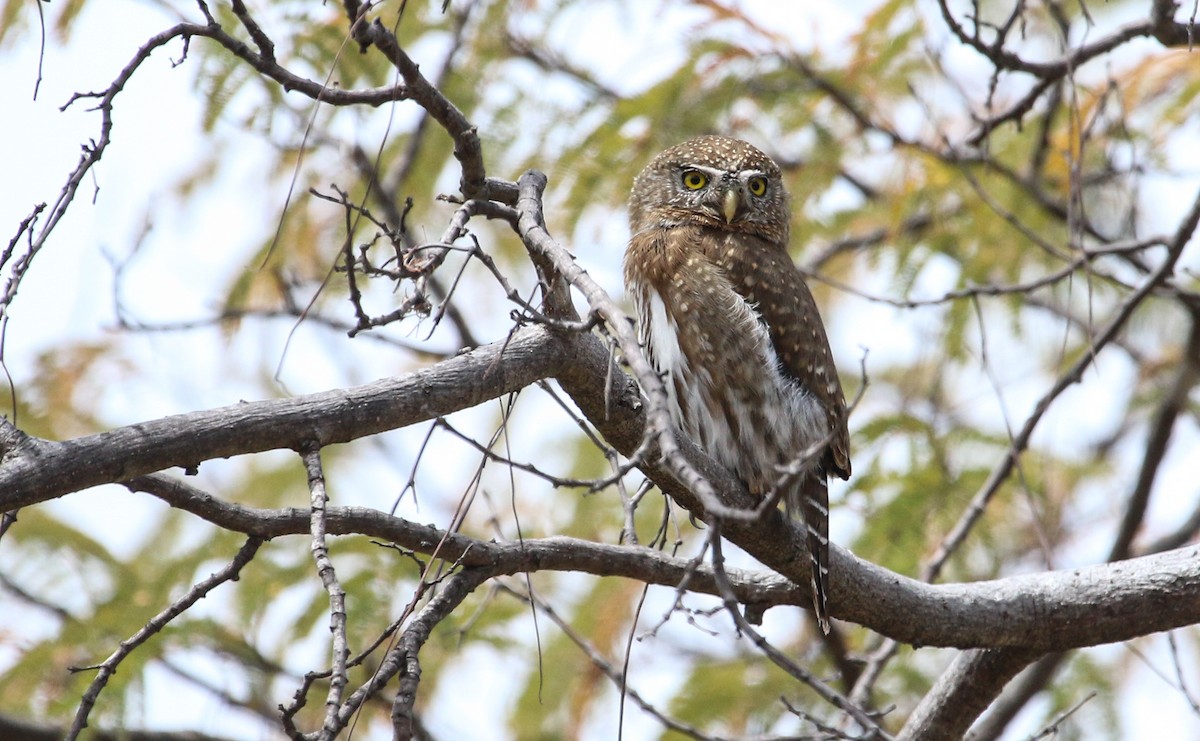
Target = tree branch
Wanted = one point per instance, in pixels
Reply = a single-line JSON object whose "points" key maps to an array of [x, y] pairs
{"points": [[34, 470], [962, 693], [1050, 611], [338, 678], [109, 667]]}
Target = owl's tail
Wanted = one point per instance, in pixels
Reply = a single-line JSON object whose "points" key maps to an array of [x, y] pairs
{"points": [[815, 502]]}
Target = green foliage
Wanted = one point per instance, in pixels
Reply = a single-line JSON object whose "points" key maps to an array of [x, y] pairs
{"points": [[564, 685], [739, 696]]}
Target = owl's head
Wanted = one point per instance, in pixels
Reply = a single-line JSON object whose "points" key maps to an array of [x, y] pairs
{"points": [[715, 182]]}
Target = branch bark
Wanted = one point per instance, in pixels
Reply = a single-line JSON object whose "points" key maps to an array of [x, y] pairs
{"points": [[33, 470], [962, 692], [1047, 612]]}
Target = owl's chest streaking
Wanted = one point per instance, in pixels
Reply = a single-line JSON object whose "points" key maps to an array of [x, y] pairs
{"points": [[700, 325]]}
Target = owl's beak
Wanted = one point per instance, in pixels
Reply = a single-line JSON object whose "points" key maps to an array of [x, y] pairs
{"points": [[729, 206]]}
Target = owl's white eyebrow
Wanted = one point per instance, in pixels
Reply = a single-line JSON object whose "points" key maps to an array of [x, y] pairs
{"points": [[715, 172]]}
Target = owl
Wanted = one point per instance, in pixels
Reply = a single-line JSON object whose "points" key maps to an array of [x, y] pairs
{"points": [[727, 320]]}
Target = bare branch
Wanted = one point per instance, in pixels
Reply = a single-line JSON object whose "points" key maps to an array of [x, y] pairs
{"points": [[467, 150], [963, 692], [1016, 696], [37, 470], [1161, 428], [1072, 376], [337, 596], [1047, 611], [1160, 26], [156, 623], [870, 726], [606, 667]]}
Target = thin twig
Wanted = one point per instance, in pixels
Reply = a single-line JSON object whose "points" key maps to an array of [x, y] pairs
{"points": [[337, 596], [1073, 375], [869, 724], [108, 667]]}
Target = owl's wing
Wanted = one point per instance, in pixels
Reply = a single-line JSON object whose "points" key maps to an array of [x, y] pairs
{"points": [[766, 277]]}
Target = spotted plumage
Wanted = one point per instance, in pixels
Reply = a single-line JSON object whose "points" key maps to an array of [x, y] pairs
{"points": [[727, 319]]}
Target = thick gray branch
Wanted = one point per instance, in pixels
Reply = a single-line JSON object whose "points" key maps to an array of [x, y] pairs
{"points": [[532, 554], [971, 682], [1048, 611], [34, 471], [1045, 612]]}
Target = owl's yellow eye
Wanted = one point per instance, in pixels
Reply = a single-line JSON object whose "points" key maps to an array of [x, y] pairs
{"points": [[757, 185], [694, 180]]}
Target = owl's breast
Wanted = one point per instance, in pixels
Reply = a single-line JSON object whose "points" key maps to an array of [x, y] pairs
{"points": [[723, 379]]}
